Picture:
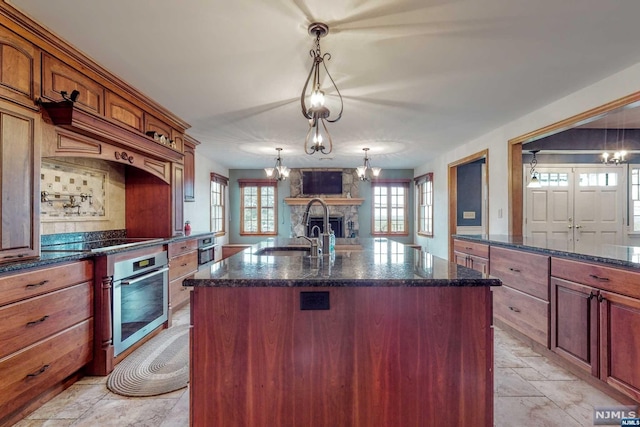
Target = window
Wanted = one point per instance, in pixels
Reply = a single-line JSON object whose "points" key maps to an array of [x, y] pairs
{"points": [[258, 211], [218, 193], [390, 198], [424, 189], [635, 199]]}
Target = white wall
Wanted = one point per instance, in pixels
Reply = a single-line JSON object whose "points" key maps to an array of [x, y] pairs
{"points": [[611, 88], [198, 212]]}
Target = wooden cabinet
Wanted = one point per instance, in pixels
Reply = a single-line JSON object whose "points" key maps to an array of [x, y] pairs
{"points": [[189, 170], [19, 182], [123, 112], [177, 192], [183, 264], [522, 301], [596, 321], [380, 356], [471, 255], [19, 69], [46, 330], [58, 77]]}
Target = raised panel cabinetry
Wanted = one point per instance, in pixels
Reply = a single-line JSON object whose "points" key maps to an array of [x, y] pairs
{"points": [[189, 170], [46, 330], [183, 264], [522, 302], [471, 255], [19, 181], [596, 321], [177, 186], [124, 112], [19, 61]]}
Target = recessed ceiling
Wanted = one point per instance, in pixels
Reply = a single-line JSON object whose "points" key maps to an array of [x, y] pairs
{"points": [[418, 77]]}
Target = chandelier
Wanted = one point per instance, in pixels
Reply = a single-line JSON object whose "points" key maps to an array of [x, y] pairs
{"points": [[279, 171], [366, 171], [316, 112], [534, 182]]}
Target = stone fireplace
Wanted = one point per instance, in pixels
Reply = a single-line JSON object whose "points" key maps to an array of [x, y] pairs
{"points": [[343, 209]]}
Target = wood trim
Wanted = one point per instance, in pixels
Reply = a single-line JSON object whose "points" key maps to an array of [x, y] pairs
{"points": [[259, 208], [452, 183], [219, 178], [330, 201], [257, 182]]}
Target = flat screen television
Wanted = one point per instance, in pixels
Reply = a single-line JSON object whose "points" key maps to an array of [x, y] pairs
{"points": [[321, 182]]}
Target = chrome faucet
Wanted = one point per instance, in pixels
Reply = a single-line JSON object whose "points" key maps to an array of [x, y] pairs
{"points": [[313, 231], [313, 242], [325, 233]]}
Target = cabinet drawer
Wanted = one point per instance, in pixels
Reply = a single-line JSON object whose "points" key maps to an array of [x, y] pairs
{"points": [[521, 270], [31, 371], [523, 312], [624, 282], [178, 294], [471, 248], [181, 247], [183, 265], [25, 322], [16, 287]]}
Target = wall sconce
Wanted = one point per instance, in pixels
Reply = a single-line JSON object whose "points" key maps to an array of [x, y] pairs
{"points": [[279, 171], [362, 170], [534, 182]]}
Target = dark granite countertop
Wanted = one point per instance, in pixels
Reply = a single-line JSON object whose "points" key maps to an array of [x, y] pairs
{"points": [[377, 262], [614, 255], [49, 258]]}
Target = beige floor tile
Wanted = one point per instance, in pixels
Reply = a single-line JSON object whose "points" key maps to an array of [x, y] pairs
{"points": [[45, 423], [134, 412], [576, 398], [548, 369], [530, 412], [72, 403], [508, 383], [179, 414]]}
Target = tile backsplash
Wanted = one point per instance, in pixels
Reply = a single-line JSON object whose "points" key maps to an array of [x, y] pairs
{"points": [[81, 195]]}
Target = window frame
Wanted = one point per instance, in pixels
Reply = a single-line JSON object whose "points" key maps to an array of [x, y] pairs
{"points": [[259, 183], [389, 184], [424, 204], [631, 201], [223, 182]]}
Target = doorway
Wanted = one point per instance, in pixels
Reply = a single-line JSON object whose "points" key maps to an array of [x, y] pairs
{"points": [[482, 192], [575, 207]]}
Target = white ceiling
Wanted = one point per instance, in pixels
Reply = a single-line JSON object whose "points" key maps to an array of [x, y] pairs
{"points": [[418, 77]]}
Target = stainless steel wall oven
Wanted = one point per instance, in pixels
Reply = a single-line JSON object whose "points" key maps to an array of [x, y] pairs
{"points": [[206, 249], [140, 298]]}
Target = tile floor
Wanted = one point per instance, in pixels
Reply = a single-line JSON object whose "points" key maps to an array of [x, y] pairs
{"points": [[529, 391]]}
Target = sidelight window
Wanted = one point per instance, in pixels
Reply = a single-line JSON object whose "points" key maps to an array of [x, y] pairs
{"points": [[258, 211]]}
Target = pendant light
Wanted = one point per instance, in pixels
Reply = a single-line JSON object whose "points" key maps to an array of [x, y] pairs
{"points": [[366, 172], [534, 182], [279, 171]]}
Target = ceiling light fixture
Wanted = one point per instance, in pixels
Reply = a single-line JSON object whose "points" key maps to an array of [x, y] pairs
{"points": [[317, 113], [534, 182], [279, 171], [362, 170]]}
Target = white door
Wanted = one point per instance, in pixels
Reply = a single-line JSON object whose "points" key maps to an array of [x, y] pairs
{"points": [[549, 209], [599, 206], [575, 207]]}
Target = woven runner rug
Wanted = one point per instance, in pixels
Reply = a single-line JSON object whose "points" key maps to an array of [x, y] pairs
{"points": [[159, 366]]}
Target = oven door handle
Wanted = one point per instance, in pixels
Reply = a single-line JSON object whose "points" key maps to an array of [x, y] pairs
{"points": [[204, 248], [144, 277]]}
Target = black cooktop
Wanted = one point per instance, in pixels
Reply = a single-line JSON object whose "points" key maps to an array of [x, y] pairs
{"points": [[98, 245]]}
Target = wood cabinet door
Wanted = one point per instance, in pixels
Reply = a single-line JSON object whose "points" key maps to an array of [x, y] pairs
{"points": [[460, 258], [19, 229], [189, 173], [620, 342], [478, 264], [19, 63], [177, 186], [574, 323]]}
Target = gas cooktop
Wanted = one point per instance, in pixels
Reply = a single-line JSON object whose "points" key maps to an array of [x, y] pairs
{"points": [[99, 245]]}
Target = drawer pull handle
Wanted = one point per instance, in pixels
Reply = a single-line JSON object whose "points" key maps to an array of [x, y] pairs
{"points": [[14, 256], [517, 310], [602, 279], [184, 265], [40, 320], [468, 248], [38, 372], [515, 270], [37, 285]]}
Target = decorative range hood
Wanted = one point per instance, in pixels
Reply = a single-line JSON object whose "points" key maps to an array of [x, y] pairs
{"points": [[67, 115]]}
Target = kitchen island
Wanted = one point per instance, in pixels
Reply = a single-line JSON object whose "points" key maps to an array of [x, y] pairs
{"points": [[377, 335]]}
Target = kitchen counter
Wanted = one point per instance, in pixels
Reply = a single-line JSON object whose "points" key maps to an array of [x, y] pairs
{"points": [[54, 257], [376, 262], [379, 334], [614, 255]]}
